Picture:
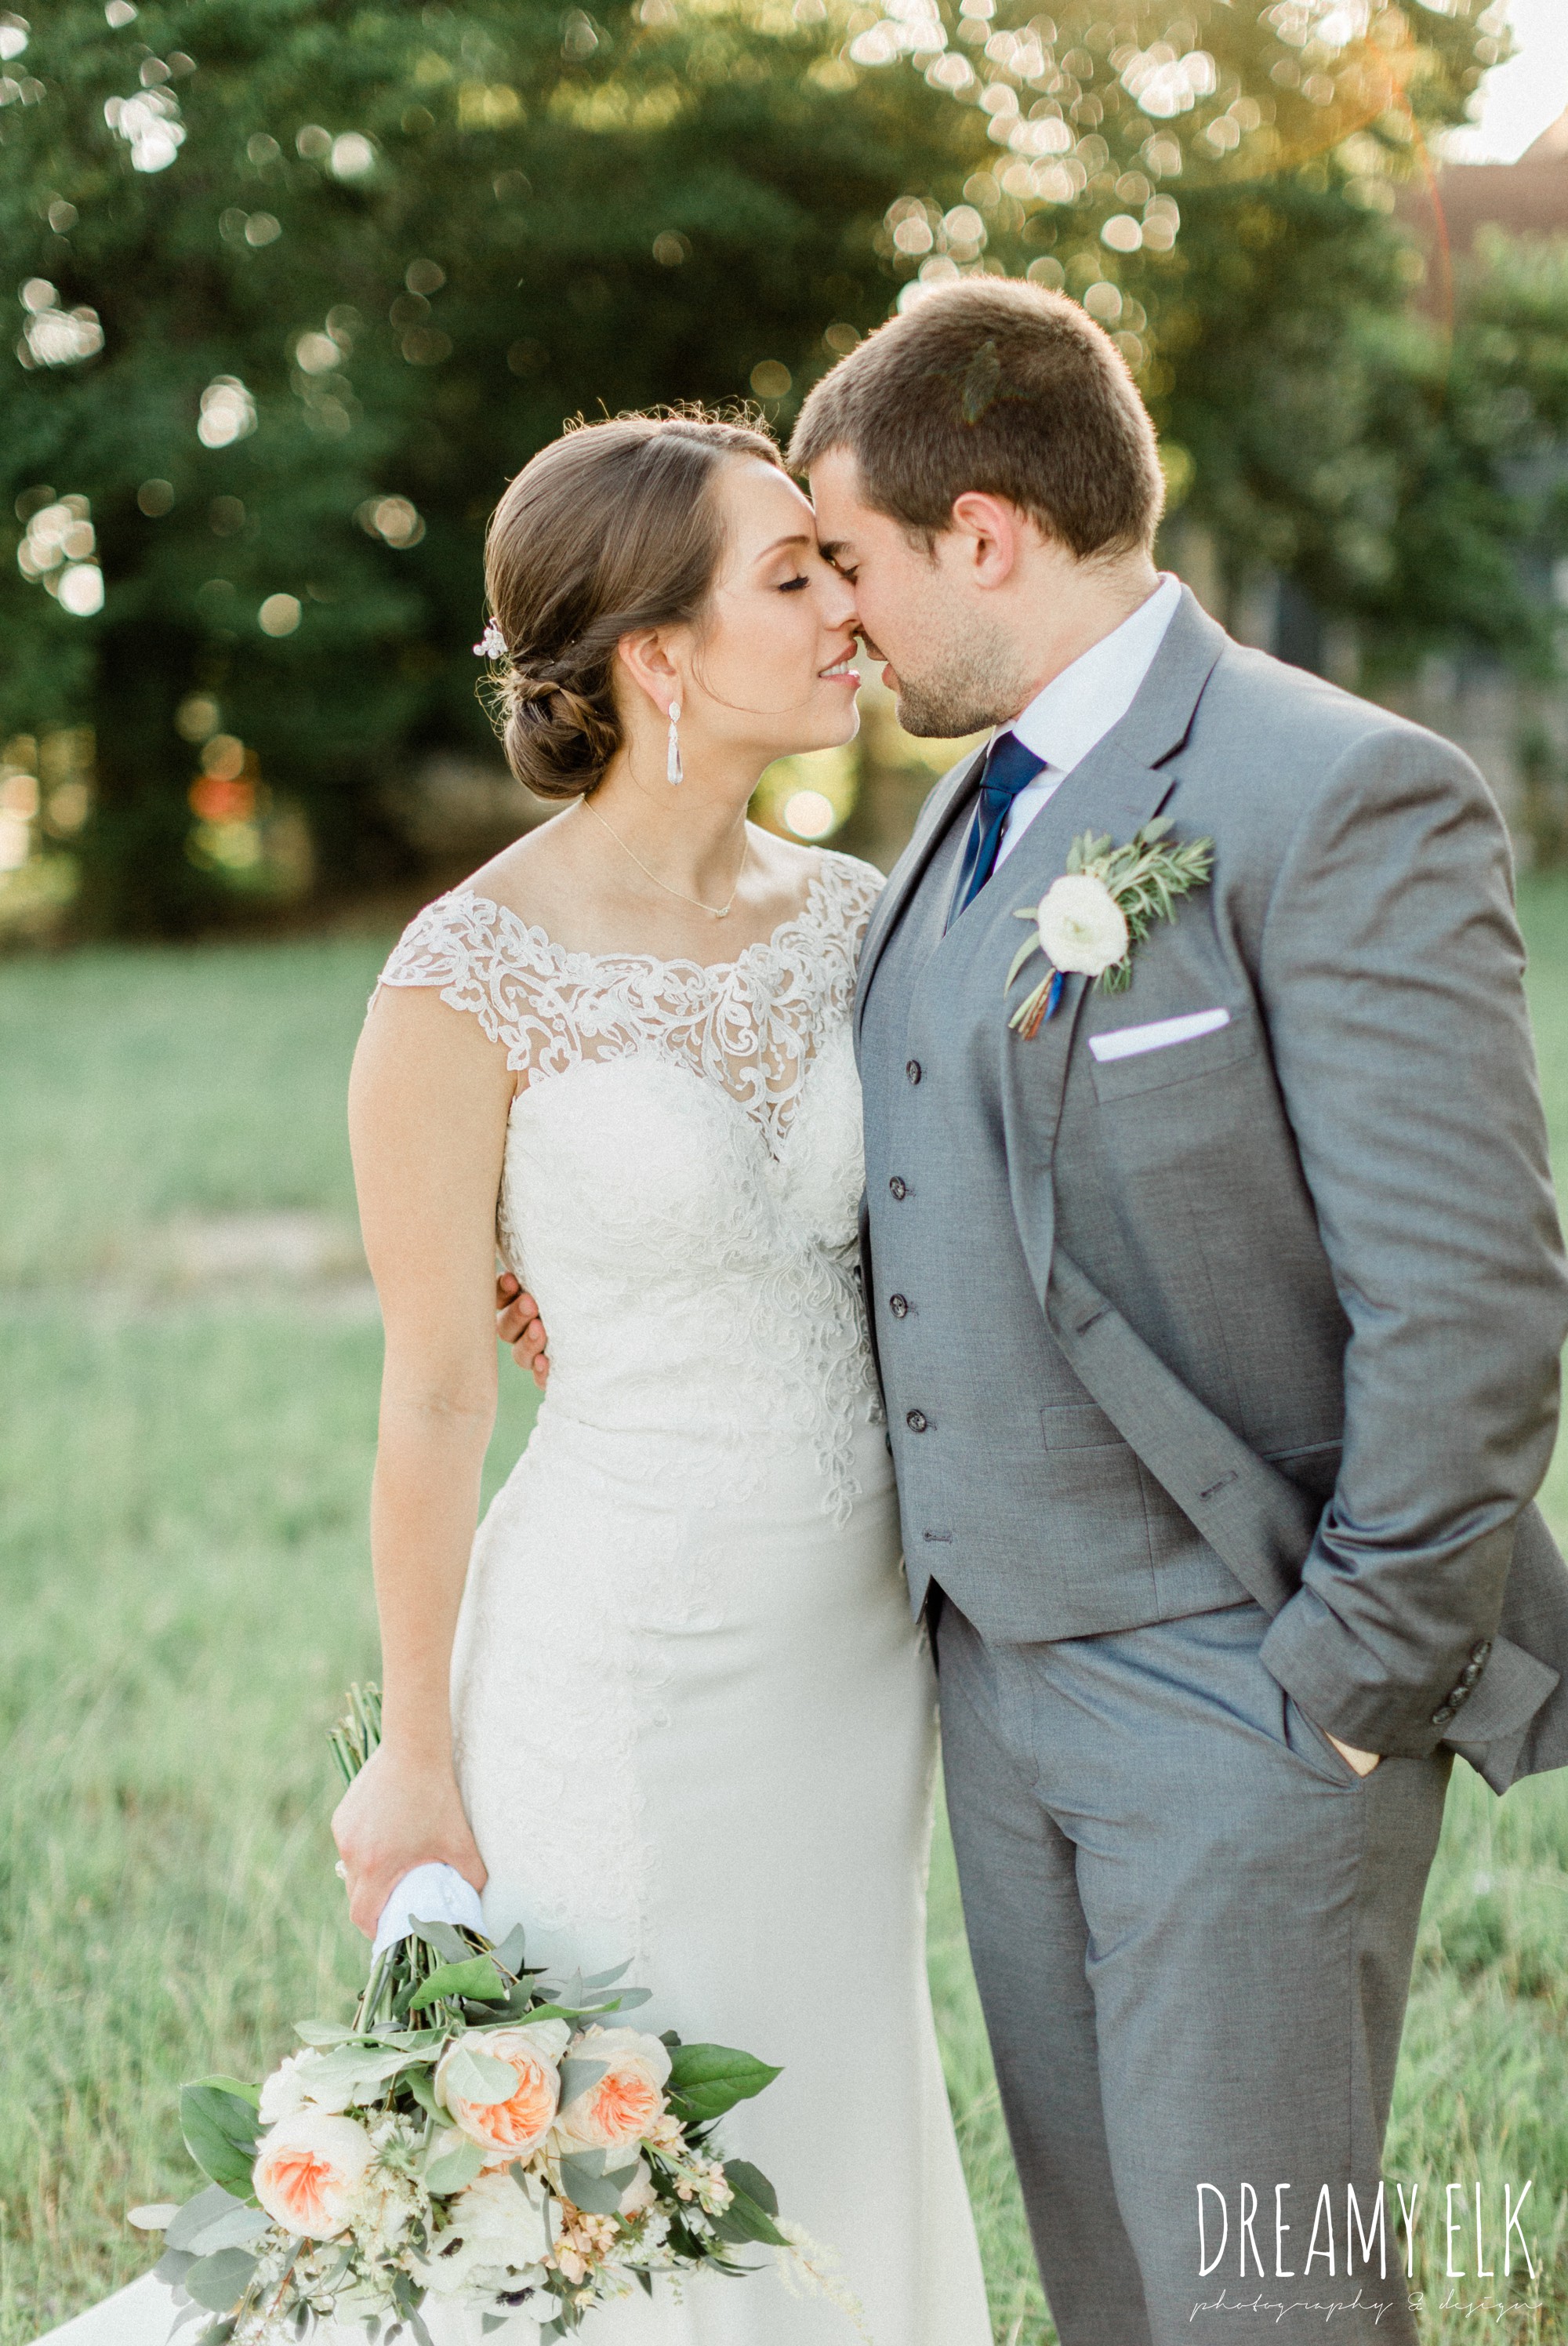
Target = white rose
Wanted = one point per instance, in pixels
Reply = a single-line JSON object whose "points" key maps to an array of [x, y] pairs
{"points": [[287, 2089], [1082, 926], [624, 2103], [309, 2173]]}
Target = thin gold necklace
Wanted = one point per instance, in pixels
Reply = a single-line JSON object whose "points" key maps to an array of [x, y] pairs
{"points": [[719, 912]]}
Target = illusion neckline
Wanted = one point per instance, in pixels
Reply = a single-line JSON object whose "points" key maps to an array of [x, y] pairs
{"points": [[571, 961]]}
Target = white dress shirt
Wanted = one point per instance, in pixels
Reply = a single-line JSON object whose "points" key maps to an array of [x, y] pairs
{"points": [[1078, 707]]}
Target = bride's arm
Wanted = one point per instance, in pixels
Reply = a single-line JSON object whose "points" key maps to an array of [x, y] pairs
{"points": [[428, 1102]]}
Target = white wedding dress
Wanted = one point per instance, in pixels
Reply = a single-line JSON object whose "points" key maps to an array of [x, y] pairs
{"points": [[695, 1725]]}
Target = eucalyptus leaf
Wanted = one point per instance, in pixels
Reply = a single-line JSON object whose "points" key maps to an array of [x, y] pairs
{"points": [[577, 2076], [608, 1979], [323, 2033], [355, 2072], [477, 1977], [510, 1952], [420, 2085], [234, 2228], [220, 2281], [172, 2267], [156, 2216], [478, 2077], [452, 2161], [445, 1938]]}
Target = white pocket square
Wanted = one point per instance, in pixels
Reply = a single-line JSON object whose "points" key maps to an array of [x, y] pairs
{"points": [[1127, 1042]]}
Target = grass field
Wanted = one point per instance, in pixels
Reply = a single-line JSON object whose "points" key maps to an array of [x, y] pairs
{"points": [[187, 1370]]}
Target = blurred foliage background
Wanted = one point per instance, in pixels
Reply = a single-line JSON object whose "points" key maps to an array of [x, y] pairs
{"points": [[296, 285]]}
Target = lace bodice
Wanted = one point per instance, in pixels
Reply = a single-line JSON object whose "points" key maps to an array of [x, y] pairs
{"points": [[682, 1170]]}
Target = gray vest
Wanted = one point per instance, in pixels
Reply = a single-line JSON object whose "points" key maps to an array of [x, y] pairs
{"points": [[1019, 1497]]}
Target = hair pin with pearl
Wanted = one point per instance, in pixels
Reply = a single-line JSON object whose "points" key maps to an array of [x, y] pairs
{"points": [[492, 644]]}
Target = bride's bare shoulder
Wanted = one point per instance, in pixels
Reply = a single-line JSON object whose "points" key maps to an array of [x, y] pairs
{"points": [[538, 877]]}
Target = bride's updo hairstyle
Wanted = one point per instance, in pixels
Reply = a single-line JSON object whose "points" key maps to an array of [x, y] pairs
{"points": [[613, 527]]}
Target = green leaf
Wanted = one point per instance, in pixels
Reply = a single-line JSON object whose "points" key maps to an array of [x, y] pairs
{"points": [[478, 1978], [709, 2079], [577, 2076], [588, 2185], [219, 2130], [322, 2033], [220, 2281], [478, 2077], [510, 1952], [422, 2086], [452, 2161], [1029, 946], [445, 1938], [741, 2175]]}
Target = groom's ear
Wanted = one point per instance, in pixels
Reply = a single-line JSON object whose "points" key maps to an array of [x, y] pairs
{"points": [[987, 536]]}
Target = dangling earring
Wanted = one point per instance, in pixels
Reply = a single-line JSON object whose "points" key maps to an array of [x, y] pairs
{"points": [[674, 771]]}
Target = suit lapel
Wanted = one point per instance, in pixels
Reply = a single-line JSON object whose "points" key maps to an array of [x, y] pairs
{"points": [[1113, 789], [911, 867]]}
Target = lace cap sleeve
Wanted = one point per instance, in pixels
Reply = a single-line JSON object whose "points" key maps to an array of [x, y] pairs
{"points": [[853, 888], [482, 958]]}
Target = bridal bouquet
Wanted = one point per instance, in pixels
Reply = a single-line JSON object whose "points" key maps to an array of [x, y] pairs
{"points": [[478, 2134]]}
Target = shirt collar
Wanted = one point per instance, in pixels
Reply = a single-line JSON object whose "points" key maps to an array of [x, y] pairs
{"points": [[1078, 707]]}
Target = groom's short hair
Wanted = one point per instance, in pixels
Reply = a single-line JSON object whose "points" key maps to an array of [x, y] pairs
{"points": [[1000, 386]]}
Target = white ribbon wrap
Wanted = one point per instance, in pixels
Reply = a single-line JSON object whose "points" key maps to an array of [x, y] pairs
{"points": [[431, 1893]]}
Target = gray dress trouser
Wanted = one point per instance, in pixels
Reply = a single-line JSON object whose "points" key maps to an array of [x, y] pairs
{"points": [[1192, 1926]]}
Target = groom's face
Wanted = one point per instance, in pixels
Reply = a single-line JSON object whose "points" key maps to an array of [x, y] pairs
{"points": [[949, 673]]}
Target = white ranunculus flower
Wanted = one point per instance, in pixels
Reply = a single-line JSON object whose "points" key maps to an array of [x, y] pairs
{"points": [[287, 2089], [1082, 926], [501, 2227], [309, 2173]]}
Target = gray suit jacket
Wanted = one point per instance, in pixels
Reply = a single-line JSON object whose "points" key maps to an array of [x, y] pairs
{"points": [[1278, 1309]]}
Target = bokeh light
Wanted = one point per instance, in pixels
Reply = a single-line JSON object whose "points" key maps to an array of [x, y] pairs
{"points": [[280, 615], [810, 815], [150, 125], [227, 413], [54, 337]]}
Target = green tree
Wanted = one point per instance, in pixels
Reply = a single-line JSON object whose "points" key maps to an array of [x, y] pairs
{"points": [[302, 282]]}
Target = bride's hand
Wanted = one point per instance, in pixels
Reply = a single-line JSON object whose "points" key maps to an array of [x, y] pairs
{"points": [[517, 1323], [395, 1815]]}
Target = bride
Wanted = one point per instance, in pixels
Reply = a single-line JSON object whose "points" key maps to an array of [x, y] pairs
{"points": [[668, 1704]]}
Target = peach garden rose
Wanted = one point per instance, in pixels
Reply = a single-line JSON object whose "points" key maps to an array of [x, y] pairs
{"points": [[623, 2106], [309, 2173], [514, 2127]]}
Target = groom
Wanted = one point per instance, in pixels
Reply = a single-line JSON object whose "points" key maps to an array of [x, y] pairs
{"points": [[1218, 1322], [1219, 1325]]}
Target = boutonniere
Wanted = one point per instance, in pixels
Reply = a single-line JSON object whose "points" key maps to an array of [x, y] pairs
{"points": [[1090, 919]]}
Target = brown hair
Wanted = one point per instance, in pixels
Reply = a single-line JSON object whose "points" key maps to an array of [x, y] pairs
{"points": [[998, 386], [612, 527]]}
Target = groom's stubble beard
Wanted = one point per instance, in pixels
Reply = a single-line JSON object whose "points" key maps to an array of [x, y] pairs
{"points": [[962, 690]]}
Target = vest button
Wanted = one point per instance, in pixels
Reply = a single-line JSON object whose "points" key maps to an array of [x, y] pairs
{"points": [[899, 1305], [915, 1071], [899, 1186], [917, 1420]]}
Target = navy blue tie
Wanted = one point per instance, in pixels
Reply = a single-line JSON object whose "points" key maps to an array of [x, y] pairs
{"points": [[1009, 769]]}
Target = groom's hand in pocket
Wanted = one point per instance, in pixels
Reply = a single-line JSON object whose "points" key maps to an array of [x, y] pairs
{"points": [[518, 1324], [1363, 1762]]}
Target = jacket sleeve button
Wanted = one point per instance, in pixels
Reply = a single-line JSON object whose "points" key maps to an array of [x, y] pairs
{"points": [[915, 1071], [899, 1186], [898, 1306], [916, 1420]]}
